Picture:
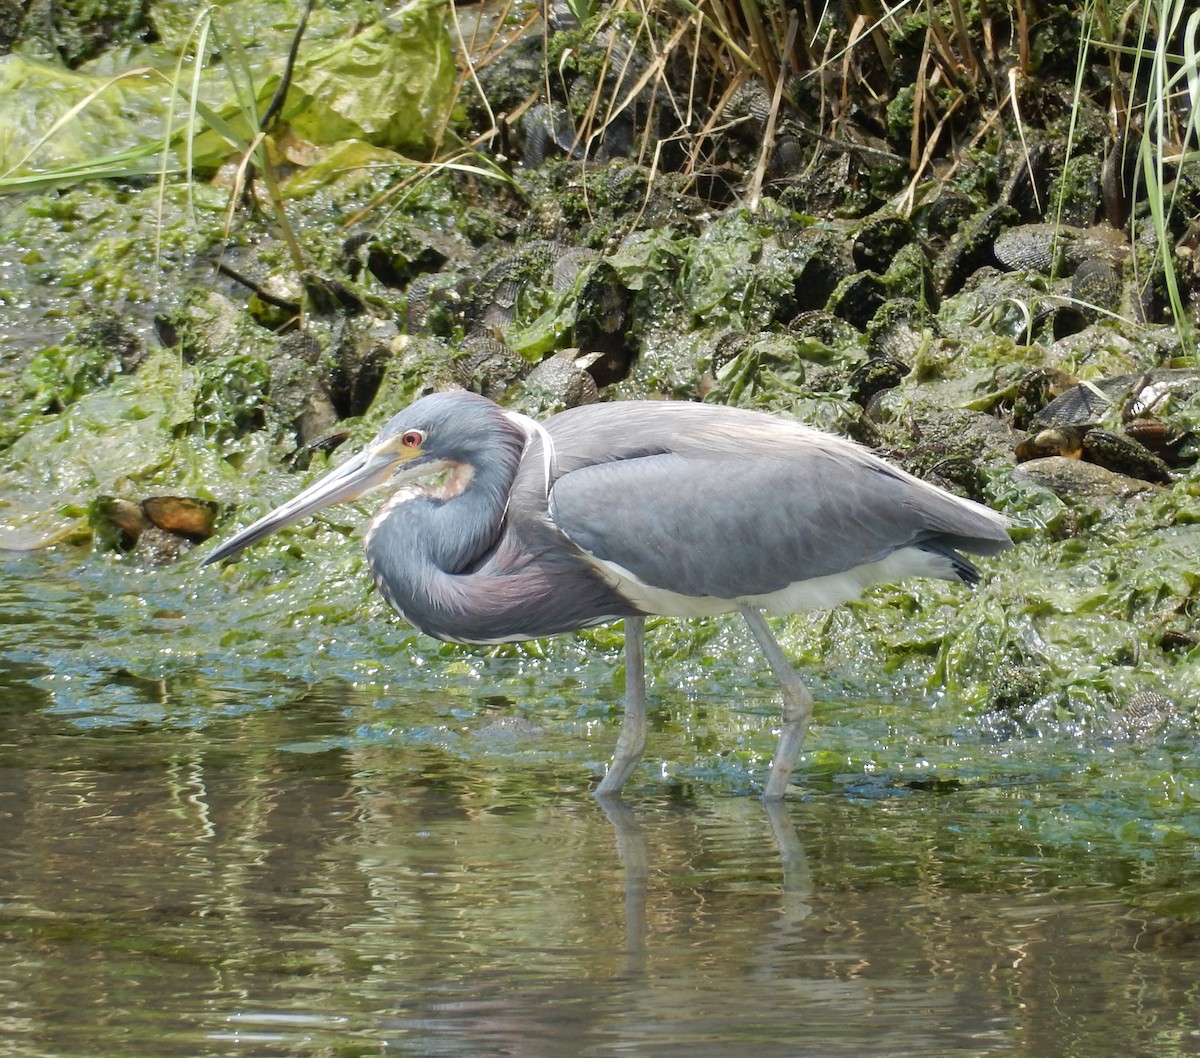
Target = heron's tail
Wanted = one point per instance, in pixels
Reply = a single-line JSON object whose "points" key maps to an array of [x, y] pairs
{"points": [[963, 568]]}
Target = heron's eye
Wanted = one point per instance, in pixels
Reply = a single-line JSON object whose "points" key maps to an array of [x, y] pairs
{"points": [[412, 439]]}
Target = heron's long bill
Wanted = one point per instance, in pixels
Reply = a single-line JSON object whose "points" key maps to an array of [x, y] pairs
{"points": [[366, 471]]}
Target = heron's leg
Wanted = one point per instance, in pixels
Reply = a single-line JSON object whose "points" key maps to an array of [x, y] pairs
{"points": [[632, 740], [797, 706]]}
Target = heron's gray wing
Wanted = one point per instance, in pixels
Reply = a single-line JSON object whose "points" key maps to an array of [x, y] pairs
{"points": [[752, 517]]}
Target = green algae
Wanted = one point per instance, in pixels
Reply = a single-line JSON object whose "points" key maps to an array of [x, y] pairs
{"points": [[388, 83]]}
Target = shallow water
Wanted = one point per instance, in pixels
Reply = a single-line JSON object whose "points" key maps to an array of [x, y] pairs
{"points": [[218, 859]]}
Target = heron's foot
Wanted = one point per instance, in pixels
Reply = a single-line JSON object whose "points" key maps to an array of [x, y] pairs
{"points": [[630, 746], [797, 714], [625, 759], [632, 741]]}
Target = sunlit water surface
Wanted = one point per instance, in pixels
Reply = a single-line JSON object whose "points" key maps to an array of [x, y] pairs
{"points": [[220, 862]]}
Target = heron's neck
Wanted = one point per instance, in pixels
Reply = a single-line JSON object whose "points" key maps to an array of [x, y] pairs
{"points": [[423, 537]]}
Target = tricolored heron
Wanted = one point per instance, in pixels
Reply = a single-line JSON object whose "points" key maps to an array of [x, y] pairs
{"points": [[621, 510]]}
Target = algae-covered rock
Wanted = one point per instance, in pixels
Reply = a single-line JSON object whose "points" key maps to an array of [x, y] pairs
{"points": [[73, 30], [557, 383], [1075, 479]]}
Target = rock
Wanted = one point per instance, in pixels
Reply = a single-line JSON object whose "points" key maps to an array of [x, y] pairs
{"points": [[160, 528], [158, 547], [1057, 249], [1075, 479], [182, 514], [557, 383], [1124, 455], [126, 516], [1147, 713], [510, 730], [486, 365], [1053, 441], [874, 376], [955, 449]]}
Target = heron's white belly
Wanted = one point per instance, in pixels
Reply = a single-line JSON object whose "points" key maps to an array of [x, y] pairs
{"points": [[817, 593]]}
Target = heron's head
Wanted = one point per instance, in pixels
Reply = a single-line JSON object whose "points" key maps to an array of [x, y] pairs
{"points": [[436, 432]]}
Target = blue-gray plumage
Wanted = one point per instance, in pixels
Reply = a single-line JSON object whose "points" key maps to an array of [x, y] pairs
{"points": [[621, 510]]}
